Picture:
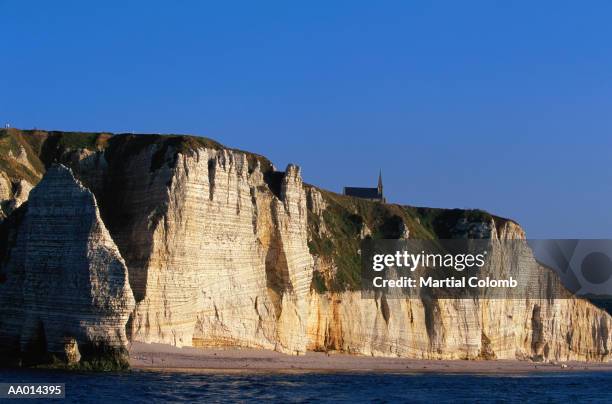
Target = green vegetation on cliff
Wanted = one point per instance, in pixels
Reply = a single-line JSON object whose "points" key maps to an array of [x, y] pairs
{"points": [[25, 154], [15, 149], [43, 148], [336, 234]]}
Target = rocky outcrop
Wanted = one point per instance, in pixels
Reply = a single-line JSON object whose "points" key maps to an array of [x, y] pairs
{"points": [[6, 192], [12, 194], [65, 290]]}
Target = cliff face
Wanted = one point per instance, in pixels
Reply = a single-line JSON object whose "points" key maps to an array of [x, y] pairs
{"points": [[539, 329], [222, 250], [215, 258], [66, 291]]}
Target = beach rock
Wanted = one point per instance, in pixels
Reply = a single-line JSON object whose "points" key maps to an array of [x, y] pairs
{"points": [[71, 351]]}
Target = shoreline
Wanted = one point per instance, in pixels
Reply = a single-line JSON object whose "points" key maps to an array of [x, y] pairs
{"points": [[160, 357]]}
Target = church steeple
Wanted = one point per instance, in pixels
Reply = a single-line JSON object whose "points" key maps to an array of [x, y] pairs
{"points": [[369, 193]]}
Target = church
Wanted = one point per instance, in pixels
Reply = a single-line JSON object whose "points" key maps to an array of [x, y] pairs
{"points": [[373, 194]]}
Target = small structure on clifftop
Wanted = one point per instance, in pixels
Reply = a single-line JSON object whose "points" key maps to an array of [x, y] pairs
{"points": [[373, 194]]}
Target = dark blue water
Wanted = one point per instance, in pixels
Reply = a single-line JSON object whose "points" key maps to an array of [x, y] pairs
{"points": [[150, 387]]}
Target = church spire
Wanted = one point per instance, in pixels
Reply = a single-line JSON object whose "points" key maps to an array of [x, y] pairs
{"points": [[380, 185]]}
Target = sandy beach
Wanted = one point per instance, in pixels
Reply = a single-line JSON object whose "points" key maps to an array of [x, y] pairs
{"points": [[165, 357]]}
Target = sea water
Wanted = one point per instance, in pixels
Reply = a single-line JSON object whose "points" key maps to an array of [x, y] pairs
{"points": [[150, 387]]}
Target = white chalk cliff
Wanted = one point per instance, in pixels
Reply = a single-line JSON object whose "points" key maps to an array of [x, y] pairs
{"points": [[67, 285], [218, 250]]}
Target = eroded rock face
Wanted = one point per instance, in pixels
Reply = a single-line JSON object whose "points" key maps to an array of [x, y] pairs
{"points": [[229, 262], [218, 259], [215, 257], [66, 290], [539, 329], [12, 194], [216, 253], [6, 192]]}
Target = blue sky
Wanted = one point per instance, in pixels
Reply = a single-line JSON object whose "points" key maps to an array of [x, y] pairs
{"points": [[504, 106]]}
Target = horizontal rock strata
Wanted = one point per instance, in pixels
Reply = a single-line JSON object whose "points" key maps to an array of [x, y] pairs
{"points": [[66, 288], [195, 244]]}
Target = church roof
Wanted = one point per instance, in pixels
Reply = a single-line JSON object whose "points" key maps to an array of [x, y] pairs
{"points": [[369, 193]]}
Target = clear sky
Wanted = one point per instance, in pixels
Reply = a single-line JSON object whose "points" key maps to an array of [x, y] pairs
{"points": [[499, 105]]}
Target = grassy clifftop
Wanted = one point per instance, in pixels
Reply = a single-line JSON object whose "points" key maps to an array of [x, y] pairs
{"points": [[336, 234], [25, 154]]}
